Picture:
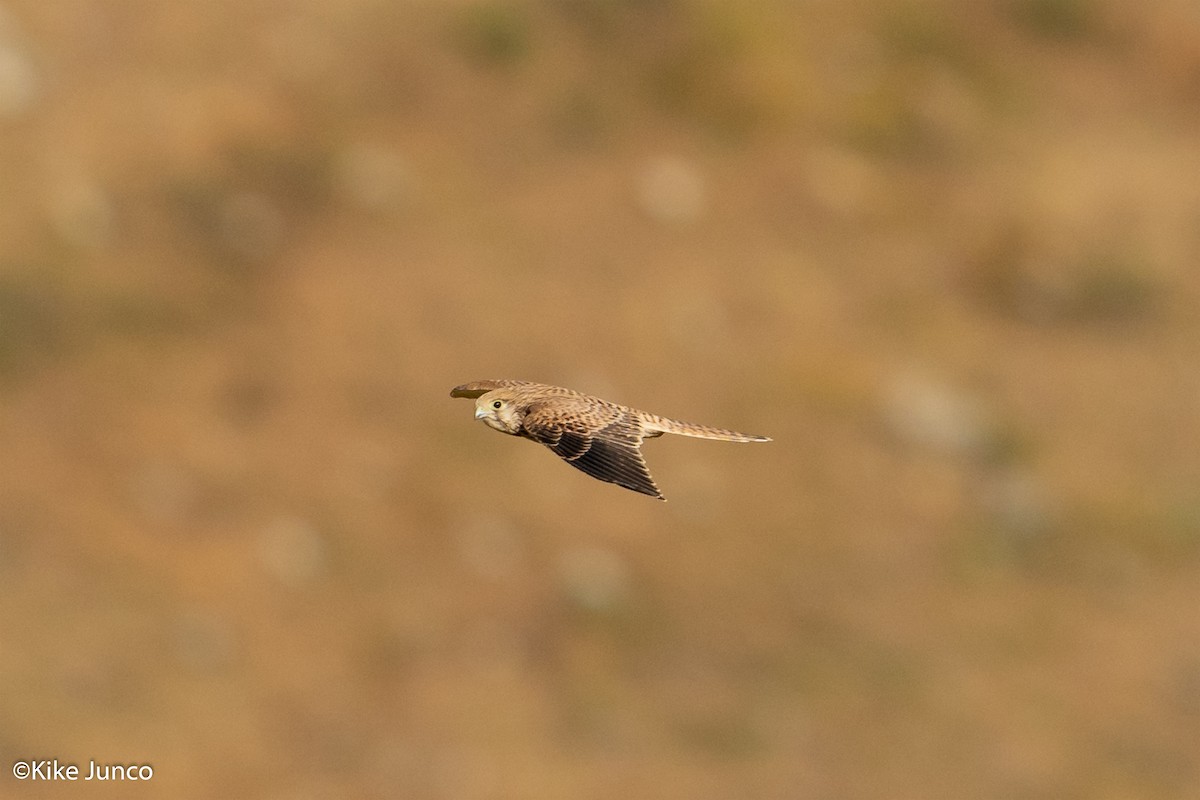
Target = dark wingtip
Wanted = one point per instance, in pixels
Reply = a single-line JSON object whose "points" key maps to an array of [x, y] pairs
{"points": [[478, 388], [473, 389]]}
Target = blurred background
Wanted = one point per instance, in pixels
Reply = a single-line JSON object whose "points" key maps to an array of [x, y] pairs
{"points": [[944, 253]]}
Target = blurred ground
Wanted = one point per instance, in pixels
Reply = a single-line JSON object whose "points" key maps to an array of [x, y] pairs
{"points": [[945, 254]]}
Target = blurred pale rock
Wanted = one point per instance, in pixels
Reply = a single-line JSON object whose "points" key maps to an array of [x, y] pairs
{"points": [[373, 178], [18, 78], [81, 213], [924, 411], [594, 578], [292, 550], [672, 190], [490, 546]]}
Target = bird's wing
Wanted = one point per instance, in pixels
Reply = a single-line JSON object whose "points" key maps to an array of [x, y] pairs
{"points": [[477, 388], [603, 441]]}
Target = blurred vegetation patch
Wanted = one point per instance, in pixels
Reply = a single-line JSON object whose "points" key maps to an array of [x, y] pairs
{"points": [[931, 89], [839, 660], [239, 214], [999, 539], [494, 34], [1018, 520], [1109, 286], [887, 122], [1163, 531], [1104, 285], [1094, 540], [200, 208], [145, 316], [1056, 19], [578, 118], [731, 68], [1006, 446], [919, 32], [36, 322], [729, 736], [604, 20], [297, 177], [45, 317], [724, 65]]}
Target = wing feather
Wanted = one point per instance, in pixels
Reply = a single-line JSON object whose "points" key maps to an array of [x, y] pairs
{"points": [[478, 388], [604, 442]]}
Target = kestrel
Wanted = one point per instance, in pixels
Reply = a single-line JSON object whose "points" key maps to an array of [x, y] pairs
{"points": [[601, 438]]}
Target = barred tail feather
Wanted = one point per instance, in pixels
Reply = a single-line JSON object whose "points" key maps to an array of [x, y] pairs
{"points": [[656, 426]]}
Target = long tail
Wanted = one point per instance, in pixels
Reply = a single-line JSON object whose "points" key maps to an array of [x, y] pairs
{"points": [[657, 426]]}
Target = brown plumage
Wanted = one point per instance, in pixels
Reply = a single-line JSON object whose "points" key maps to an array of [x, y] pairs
{"points": [[601, 438]]}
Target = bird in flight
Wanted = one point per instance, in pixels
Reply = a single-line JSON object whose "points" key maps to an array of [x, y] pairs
{"points": [[601, 438]]}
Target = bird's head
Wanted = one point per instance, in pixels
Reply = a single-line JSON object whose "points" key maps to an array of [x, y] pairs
{"points": [[497, 410]]}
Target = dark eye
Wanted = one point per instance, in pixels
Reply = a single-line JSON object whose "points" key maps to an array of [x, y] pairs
{"points": [[496, 404]]}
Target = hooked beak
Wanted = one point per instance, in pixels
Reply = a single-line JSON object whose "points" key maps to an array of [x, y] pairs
{"points": [[480, 413]]}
